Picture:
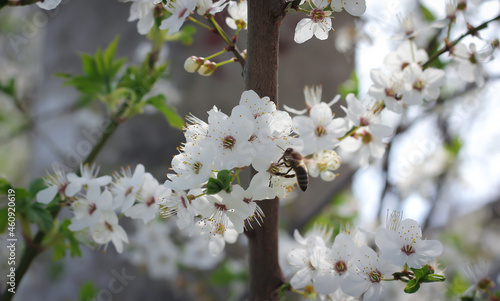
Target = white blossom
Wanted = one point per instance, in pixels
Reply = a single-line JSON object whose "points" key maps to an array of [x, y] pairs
{"points": [[148, 197], [56, 183], [421, 85], [125, 187], [318, 24], [402, 243], [367, 275], [238, 15], [180, 10], [319, 130], [143, 10], [88, 210], [88, 176], [108, 229], [209, 7]]}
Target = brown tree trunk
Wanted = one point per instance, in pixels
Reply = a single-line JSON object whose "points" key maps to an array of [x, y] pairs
{"points": [[261, 75]]}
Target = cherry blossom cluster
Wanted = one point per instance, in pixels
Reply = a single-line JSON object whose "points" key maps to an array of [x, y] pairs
{"points": [[97, 201], [215, 152], [319, 19], [349, 268]]}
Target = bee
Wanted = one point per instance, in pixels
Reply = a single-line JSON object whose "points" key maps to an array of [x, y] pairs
{"points": [[294, 161]]}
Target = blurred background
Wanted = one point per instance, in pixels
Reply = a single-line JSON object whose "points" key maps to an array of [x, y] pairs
{"points": [[442, 168]]}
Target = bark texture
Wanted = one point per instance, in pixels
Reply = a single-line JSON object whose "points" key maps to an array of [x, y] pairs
{"points": [[261, 75]]}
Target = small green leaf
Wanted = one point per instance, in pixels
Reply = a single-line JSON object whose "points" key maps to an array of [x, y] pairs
{"points": [[454, 146], [412, 286], [433, 278], [225, 177], [4, 186], [422, 272], [159, 102], [35, 186], [88, 291], [21, 193], [349, 86], [74, 246], [426, 13], [214, 186], [58, 250], [467, 298], [40, 216]]}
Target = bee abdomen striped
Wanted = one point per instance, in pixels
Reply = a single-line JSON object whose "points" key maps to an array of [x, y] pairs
{"points": [[302, 177]]}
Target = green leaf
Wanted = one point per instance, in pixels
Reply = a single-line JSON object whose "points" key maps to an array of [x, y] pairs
{"points": [[433, 278], [88, 291], [412, 286], [225, 177], [3, 221], [453, 148], [426, 13], [4, 186], [159, 102], [9, 87], [35, 186], [422, 272], [21, 193], [467, 298], [36, 214], [214, 186], [74, 246], [349, 86], [58, 250]]}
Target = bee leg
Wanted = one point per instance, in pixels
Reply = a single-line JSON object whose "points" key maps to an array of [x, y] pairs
{"points": [[285, 174]]}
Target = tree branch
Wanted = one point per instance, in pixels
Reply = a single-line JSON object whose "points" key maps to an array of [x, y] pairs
{"points": [[261, 75]]}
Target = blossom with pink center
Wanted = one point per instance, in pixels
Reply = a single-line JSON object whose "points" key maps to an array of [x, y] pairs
{"points": [[318, 24]]}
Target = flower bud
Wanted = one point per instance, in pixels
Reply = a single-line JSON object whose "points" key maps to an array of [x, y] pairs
{"points": [[207, 68], [193, 63]]}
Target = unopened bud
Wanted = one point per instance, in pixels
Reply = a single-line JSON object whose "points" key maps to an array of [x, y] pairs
{"points": [[207, 68], [193, 64]]}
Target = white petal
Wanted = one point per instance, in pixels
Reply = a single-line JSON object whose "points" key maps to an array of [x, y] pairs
{"points": [[355, 7], [303, 31], [354, 285], [72, 189], [301, 278], [216, 245], [48, 4], [46, 195], [373, 293], [326, 282]]}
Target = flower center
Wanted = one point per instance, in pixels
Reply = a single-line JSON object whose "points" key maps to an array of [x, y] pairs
{"points": [[418, 85], [320, 131], [92, 208], [220, 207], [197, 166], [228, 142], [363, 121], [408, 249], [108, 226], [367, 138], [150, 201], [375, 276], [317, 15], [252, 138], [219, 229], [340, 267]]}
